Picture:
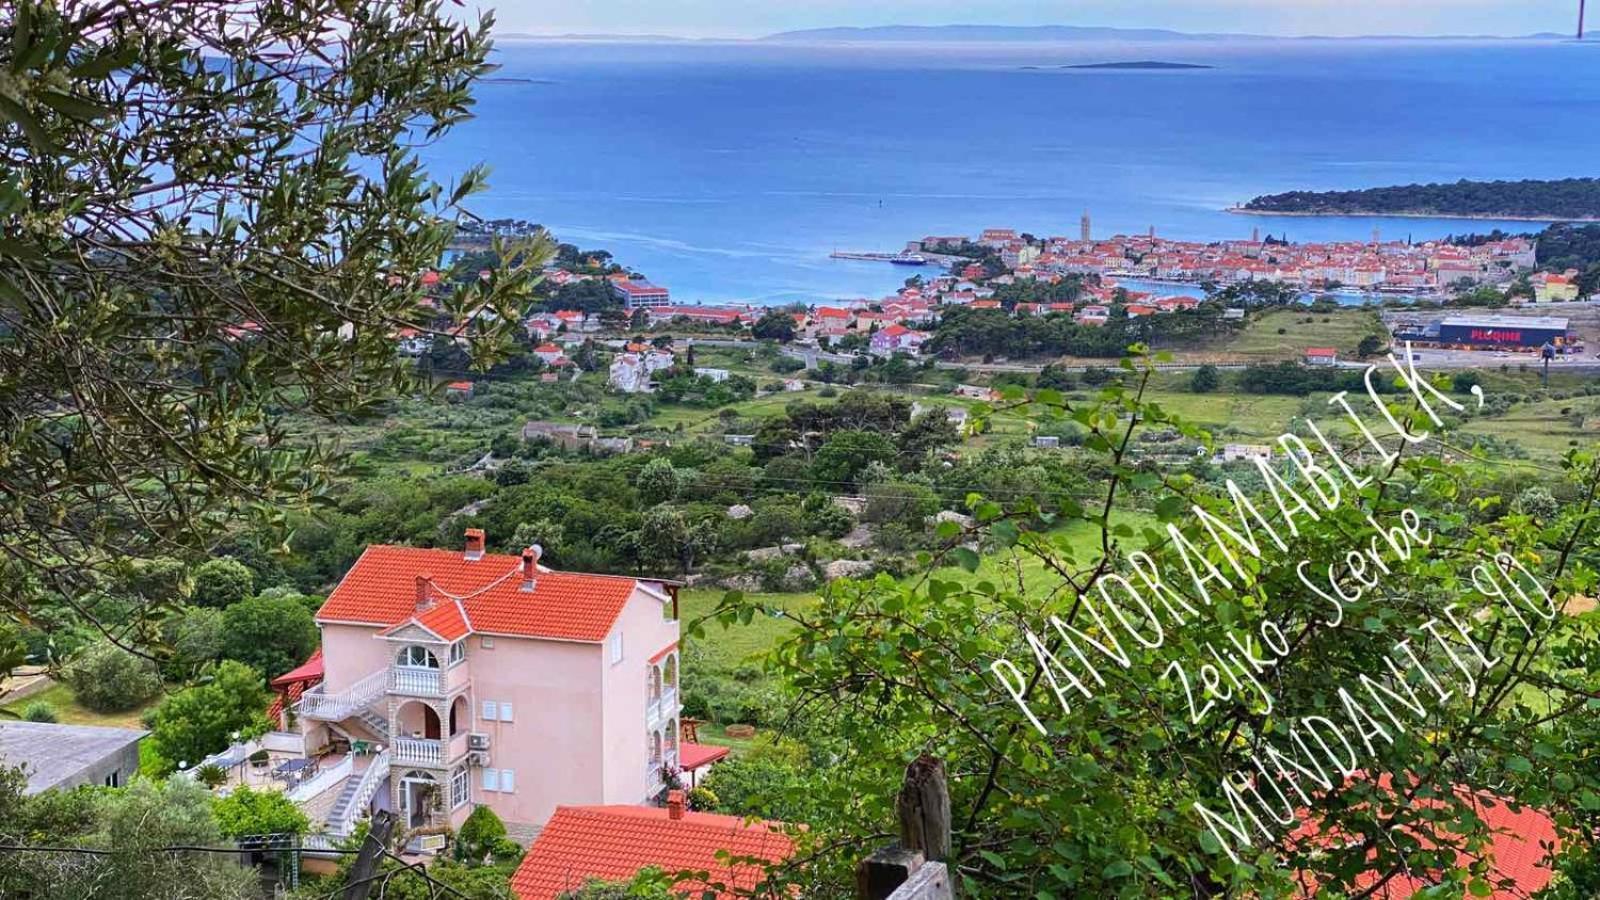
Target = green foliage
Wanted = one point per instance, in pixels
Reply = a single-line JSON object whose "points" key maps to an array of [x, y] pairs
{"points": [[107, 678], [1205, 380], [1101, 804], [39, 711], [211, 775], [227, 206], [220, 583], [246, 812], [482, 836], [847, 454], [772, 780], [1575, 198], [1371, 345], [774, 325], [129, 822], [195, 637], [271, 635], [198, 721], [648, 884]]}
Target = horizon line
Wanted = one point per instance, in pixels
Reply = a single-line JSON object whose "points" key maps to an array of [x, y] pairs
{"points": [[751, 37]]}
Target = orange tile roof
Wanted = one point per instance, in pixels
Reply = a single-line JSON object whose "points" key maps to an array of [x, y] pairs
{"points": [[614, 842], [381, 589]]}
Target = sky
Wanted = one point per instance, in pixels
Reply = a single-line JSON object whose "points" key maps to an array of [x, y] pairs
{"points": [[754, 18]]}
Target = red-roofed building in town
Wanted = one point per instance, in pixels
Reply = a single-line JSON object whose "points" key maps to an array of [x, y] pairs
{"points": [[897, 339], [450, 679], [636, 293], [613, 843]]}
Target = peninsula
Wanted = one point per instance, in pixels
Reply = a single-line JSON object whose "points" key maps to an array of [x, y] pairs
{"points": [[1154, 64], [1560, 200]]}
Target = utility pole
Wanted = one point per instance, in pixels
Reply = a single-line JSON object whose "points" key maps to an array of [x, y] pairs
{"points": [[366, 864]]}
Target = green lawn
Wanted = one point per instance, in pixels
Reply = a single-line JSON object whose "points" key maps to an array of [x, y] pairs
{"points": [[70, 712]]}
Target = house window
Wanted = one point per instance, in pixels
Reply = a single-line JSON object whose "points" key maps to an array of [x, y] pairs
{"points": [[487, 643], [113, 779], [491, 779], [491, 710], [458, 652], [505, 711], [460, 788], [616, 648], [416, 657], [508, 781]]}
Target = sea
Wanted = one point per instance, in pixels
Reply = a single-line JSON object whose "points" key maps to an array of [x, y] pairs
{"points": [[729, 171]]}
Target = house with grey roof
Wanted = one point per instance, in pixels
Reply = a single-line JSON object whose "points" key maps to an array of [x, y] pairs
{"points": [[66, 756]]}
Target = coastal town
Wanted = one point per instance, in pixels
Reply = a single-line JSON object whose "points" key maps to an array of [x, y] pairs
{"points": [[971, 273]]}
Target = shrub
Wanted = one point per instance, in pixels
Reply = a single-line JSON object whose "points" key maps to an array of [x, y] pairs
{"points": [[39, 711], [211, 775], [479, 835], [198, 721], [195, 638], [107, 678], [246, 812], [222, 582]]}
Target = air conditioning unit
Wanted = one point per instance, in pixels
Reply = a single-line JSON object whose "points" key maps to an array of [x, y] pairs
{"points": [[477, 742], [478, 758]]}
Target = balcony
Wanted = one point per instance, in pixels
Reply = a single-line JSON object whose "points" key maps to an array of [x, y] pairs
{"points": [[664, 707], [429, 751], [415, 681], [319, 703], [417, 751]]}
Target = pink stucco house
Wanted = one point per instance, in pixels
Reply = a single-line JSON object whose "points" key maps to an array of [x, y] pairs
{"points": [[456, 678]]}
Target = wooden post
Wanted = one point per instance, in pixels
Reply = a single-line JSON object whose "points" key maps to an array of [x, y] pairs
{"points": [[914, 870], [366, 864], [924, 809]]}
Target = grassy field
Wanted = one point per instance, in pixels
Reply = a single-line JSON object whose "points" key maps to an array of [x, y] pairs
{"points": [[70, 712], [1260, 340], [1546, 428]]}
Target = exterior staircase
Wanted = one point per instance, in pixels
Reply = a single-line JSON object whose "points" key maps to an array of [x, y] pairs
{"points": [[375, 723], [347, 797]]}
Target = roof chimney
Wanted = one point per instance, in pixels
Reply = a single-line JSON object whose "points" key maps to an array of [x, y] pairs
{"points": [[530, 566], [474, 544], [424, 586], [674, 805]]}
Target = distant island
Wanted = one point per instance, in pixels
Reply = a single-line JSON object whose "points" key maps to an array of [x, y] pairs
{"points": [[1063, 33], [1139, 64], [1560, 200]]}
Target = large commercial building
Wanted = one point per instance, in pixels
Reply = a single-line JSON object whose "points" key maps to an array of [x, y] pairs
{"points": [[1503, 331], [636, 293]]}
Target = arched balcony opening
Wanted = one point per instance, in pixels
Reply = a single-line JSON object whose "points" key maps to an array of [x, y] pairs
{"points": [[459, 716], [415, 719]]}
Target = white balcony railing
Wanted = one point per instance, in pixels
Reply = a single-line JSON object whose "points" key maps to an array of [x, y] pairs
{"points": [[416, 682], [419, 751], [420, 682], [320, 704], [663, 707]]}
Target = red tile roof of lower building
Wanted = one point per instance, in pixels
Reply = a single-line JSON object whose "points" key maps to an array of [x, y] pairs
{"points": [[612, 843], [306, 671], [1520, 839], [1321, 351], [381, 589], [695, 756]]}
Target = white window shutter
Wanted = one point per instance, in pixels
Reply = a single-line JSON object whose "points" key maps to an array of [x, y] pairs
{"points": [[489, 712], [505, 712], [491, 780], [508, 781]]}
